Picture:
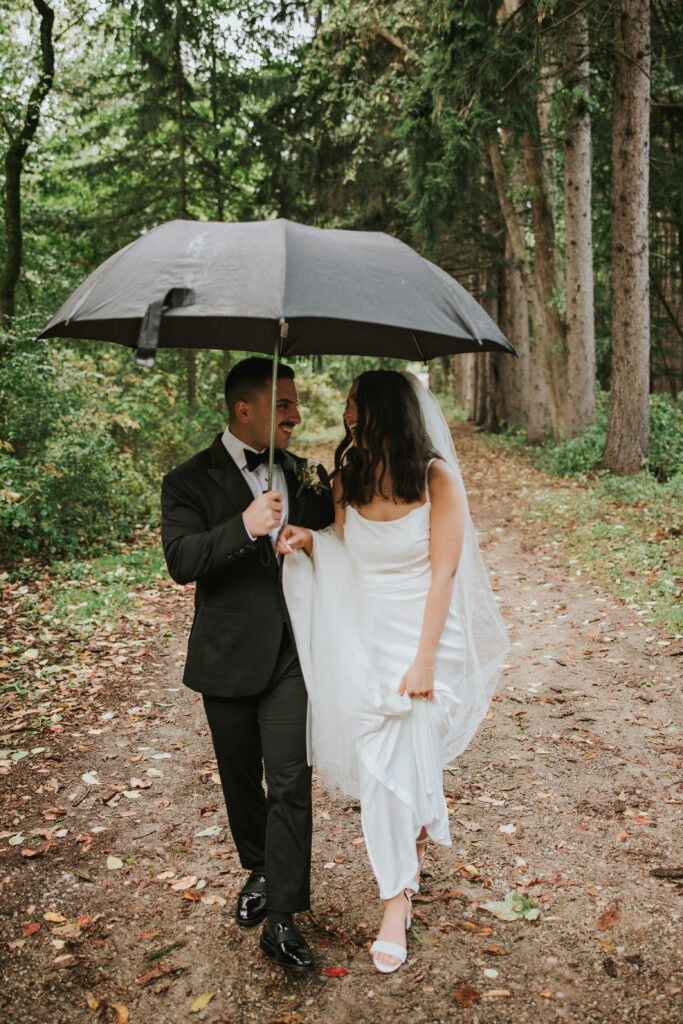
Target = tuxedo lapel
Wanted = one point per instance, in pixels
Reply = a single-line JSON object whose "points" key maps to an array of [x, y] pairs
{"points": [[228, 476]]}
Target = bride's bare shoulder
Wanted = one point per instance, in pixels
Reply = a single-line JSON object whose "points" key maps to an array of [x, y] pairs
{"points": [[440, 473], [443, 481]]}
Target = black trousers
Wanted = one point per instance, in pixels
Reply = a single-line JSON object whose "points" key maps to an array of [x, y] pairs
{"points": [[268, 731]]}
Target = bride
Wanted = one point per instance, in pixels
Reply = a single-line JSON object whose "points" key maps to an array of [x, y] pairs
{"points": [[398, 634]]}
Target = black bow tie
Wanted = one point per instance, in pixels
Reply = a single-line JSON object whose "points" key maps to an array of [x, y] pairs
{"points": [[256, 459]]}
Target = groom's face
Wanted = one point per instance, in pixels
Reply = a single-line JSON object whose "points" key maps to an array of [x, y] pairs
{"points": [[286, 414]]}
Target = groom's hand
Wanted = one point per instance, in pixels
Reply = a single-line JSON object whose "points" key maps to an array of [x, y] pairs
{"points": [[264, 514]]}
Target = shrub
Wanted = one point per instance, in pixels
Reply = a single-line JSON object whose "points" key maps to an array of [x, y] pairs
{"points": [[583, 454], [666, 437]]}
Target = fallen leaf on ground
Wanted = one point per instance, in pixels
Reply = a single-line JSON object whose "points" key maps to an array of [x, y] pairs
{"points": [[91, 1001], [66, 960], [51, 915], [114, 863], [121, 1012], [90, 779], [201, 1002], [512, 908], [496, 993], [212, 900], [31, 928], [154, 973], [609, 918], [184, 883], [494, 950], [335, 972], [465, 994], [470, 926]]}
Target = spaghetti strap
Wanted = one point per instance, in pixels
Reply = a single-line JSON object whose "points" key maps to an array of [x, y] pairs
{"points": [[429, 465]]}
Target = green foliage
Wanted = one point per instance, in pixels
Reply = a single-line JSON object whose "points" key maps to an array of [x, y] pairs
{"points": [[582, 455], [67, 485], [82, 595], [665, 457]]}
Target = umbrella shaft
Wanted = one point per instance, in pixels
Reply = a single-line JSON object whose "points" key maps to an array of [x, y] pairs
{"points": [[273, 402]]}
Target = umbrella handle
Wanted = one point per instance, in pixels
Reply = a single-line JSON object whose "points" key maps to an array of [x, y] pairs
{"points": [[284, 326]]}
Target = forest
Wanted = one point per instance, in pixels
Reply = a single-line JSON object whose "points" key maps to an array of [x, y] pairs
{"points": [[532, 149]]}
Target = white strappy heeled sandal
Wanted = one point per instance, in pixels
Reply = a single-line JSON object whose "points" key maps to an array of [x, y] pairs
{"points": [[399, 953]]}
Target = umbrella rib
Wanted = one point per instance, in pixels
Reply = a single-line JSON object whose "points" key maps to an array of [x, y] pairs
{"points": [[417, 346]]}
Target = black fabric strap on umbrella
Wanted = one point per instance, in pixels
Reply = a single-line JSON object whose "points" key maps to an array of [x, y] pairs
{"points": [[148, 338]]}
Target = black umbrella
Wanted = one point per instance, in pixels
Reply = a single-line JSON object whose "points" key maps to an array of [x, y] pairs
{"points": [[275, 287]]}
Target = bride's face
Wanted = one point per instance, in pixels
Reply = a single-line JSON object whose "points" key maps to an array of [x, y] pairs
{"points": [[351, 410]]}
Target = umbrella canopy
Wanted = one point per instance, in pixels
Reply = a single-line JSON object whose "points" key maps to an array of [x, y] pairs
{"points": [[232, 285]]}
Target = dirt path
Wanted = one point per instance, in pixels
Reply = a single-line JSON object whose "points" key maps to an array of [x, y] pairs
{"points": [[569, 795]]}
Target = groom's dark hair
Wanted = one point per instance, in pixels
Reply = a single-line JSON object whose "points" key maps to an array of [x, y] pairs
{"points": [[248, 377]]}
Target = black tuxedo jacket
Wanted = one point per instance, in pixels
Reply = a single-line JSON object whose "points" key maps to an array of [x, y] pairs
{"points": [[239, 606]]}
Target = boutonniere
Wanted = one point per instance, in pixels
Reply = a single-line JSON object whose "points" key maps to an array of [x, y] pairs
{"points": [[310, 479]]}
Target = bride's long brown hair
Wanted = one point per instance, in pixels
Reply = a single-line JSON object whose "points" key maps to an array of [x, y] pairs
{"points": [[391, 442]]}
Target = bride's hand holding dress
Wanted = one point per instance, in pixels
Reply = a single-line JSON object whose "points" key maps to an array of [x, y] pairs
{"points": [[294, 538]]}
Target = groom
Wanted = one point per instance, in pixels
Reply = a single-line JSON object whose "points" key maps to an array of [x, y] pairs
{"points": [[219, 525]]}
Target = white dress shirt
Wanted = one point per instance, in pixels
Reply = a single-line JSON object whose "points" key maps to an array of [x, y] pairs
{"points": [[257, 479]]}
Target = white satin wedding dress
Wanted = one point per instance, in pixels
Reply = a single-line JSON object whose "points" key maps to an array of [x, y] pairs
{"points": [[400, 748], [357, 608]]}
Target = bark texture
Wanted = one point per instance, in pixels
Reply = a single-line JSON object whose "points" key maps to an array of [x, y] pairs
{"points": [[628, 431], [548, 281], [514, 322], [579, 404], [14, 166], [532, 291]]}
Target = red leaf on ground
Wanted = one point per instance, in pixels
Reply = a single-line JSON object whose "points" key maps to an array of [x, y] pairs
{"points": [[335, 972], [153, 974], [609, 918], [465, 994], [31, 928]]}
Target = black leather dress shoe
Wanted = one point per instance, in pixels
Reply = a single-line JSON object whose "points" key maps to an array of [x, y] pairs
{"points": [[251, 902], [287, 946]]}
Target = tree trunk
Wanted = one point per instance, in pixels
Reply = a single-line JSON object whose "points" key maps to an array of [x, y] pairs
{"points": [[514, 322], [215, 115], [190, 354], [533, 296], [479, 413], [628, 431], [579, 405], [538, 401], [14, 166], [468, 397], [548, 278], [490, 368]]}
